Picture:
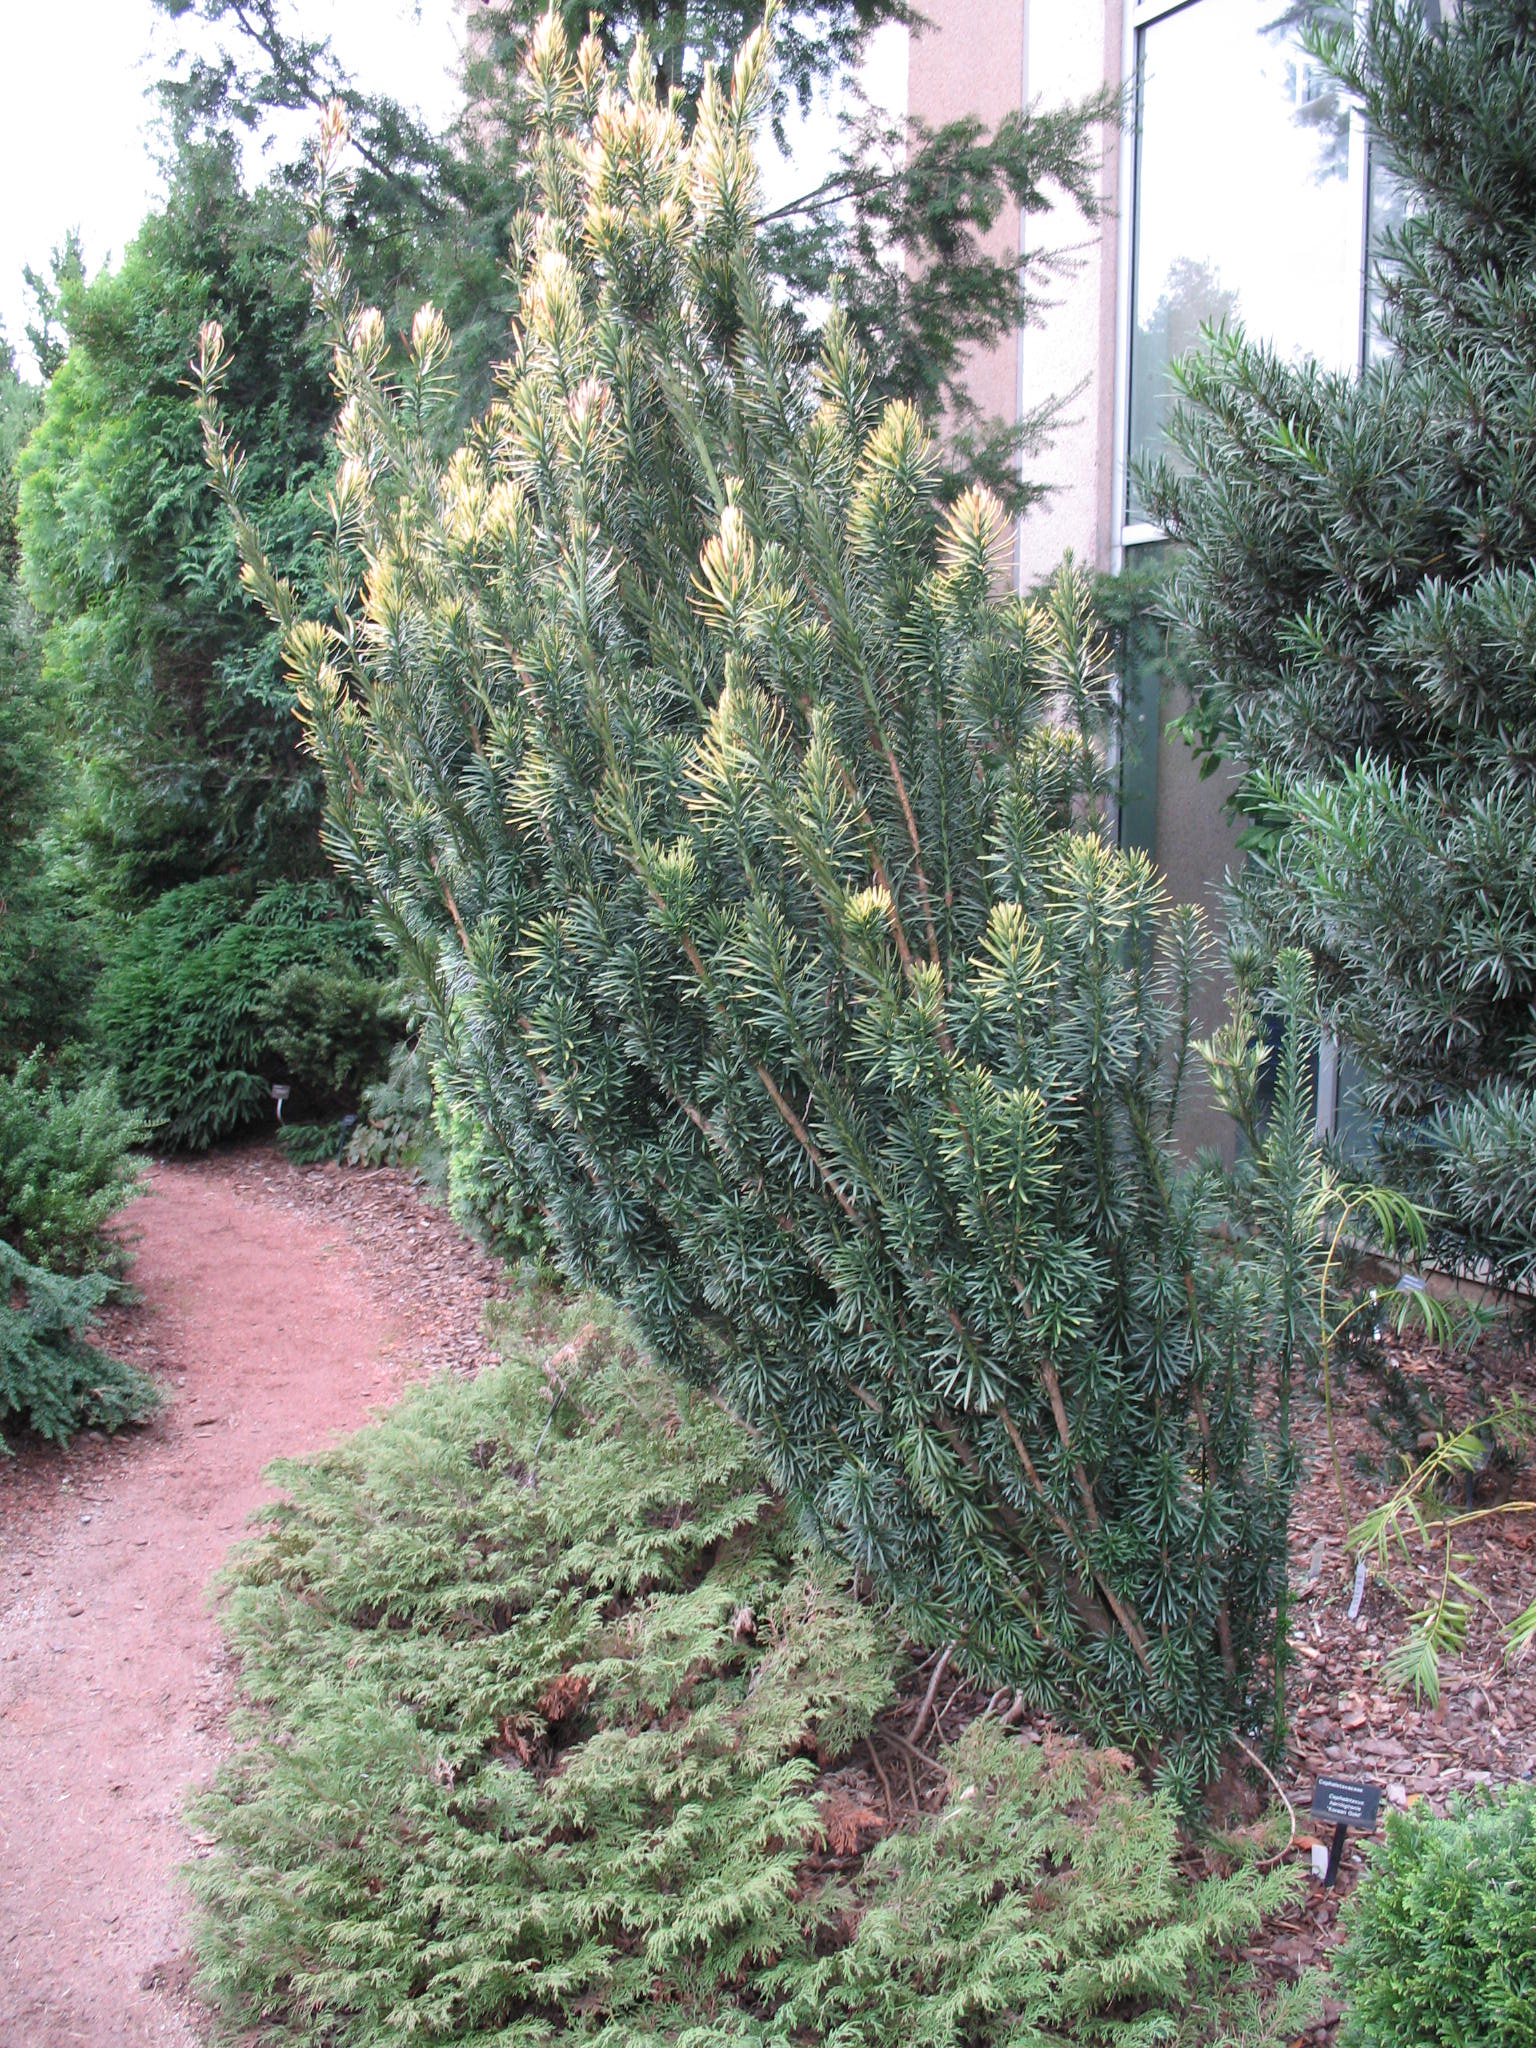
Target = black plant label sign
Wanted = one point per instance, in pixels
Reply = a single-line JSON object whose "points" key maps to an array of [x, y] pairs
{"points": [[1346, 1804]]}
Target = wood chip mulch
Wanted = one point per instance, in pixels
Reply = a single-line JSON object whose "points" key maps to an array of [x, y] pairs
{"points": [[1345, 1720]]}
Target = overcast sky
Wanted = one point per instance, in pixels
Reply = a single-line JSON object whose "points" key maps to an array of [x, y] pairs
{"points": [[76, 148], [77, 145]]}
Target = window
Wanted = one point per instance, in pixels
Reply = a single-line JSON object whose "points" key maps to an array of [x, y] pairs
{"points": [[1249, 200], [1388, 206], [1251, 197]]}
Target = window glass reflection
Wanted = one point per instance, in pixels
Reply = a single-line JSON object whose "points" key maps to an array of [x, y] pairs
{"points": [[1143, 660], [1243, 198]]}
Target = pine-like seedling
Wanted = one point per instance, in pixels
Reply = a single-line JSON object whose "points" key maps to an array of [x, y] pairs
{"points": [[744, 849], [1360, 606]]}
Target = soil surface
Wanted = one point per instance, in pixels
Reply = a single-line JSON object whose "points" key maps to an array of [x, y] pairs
{"points": [[1347, 1718], [279, 1306]]}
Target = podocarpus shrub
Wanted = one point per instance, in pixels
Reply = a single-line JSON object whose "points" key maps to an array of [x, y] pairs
{"points": [[746, 847], [1359, 607], [551, 1715], [213, 994], [1441, 1946]]}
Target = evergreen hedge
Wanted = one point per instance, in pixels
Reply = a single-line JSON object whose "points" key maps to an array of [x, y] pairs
{"points": [[743, 849], [216, 991], [53, 1380]]}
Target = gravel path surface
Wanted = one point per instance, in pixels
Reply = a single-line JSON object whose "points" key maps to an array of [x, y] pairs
{"points": [[279, 1306]]}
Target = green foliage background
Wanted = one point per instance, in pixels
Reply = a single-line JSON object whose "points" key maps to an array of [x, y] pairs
{"points": [[1358, 604], [215, 993], [176, 716], [45, 948]]}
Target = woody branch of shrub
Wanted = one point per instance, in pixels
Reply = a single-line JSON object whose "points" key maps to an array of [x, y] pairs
{"points": [[744, 850]]}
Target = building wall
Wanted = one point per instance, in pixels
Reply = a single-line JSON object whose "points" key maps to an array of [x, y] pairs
{"points": [[988, 58], [969, 59]]}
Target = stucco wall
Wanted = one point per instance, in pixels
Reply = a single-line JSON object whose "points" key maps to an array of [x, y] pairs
{"points": [[988, 58]]}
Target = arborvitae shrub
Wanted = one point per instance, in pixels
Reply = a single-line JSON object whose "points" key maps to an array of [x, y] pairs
{"points": [[547, 1701], [1441, 1948], [744, 848], [1357, 591], [212, 994]]}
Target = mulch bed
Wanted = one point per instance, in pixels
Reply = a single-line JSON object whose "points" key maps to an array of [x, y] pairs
{"points": [[1345, 1721], [436, 1279]]}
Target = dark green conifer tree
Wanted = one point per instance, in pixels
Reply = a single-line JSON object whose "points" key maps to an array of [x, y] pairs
{"points": [[44, 952], [1358, 590], [177, 719]]}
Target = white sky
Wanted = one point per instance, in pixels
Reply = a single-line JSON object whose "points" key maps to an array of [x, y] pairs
{"points": [[76, 141]]}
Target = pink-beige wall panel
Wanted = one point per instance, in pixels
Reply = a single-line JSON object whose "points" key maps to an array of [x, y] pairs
{"points": [[970, 60]]}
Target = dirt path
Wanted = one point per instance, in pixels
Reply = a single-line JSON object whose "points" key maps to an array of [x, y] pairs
{"points": [[279, 1307]]}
